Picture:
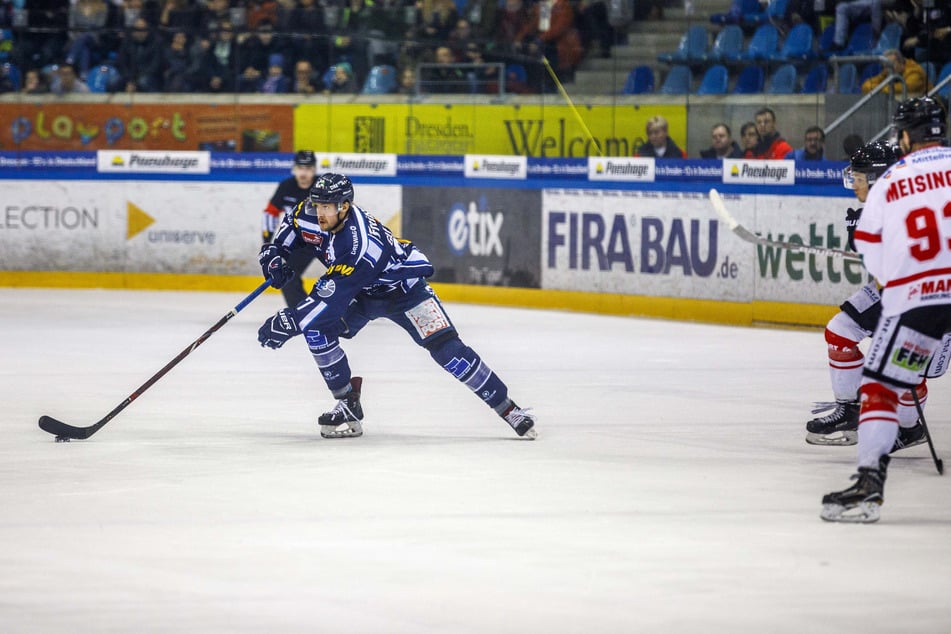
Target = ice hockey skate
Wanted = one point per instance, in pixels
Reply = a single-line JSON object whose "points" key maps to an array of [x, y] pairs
{"points": [[344, 420], [522, 421], [840, 427], [909, 437], [861, 503]]}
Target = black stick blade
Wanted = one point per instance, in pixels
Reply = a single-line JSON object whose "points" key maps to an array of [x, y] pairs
{"points": [[59, 428]]}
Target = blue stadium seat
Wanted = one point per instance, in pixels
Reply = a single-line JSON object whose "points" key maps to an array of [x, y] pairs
{"points": [[775, 12], [797, 46], [677, 81], [930, 72], [692, 48], [10, 76], [860, 42], [763, 44], [750, 81], [869, 71], [327, 79], [737, 11], [944, 74], [714, 81], [783, 81], [380, 80], [889, 39], [827, 41], [728, 46], [848, 79], [103, 78], [816, 81], [639, 81]]}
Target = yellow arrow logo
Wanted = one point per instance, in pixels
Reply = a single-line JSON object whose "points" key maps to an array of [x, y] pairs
{"points": [[138, 220]]}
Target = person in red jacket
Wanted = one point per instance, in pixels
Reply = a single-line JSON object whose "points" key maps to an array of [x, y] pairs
{"points": [[772, 145]]}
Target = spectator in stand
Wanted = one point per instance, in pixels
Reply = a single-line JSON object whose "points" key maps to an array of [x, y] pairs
{"points": [[552, 32], [659, 144], [408, 81], [213, 62], [750, 138], [852, 12], [909, 69], [33, 83], [179, 15], [482, 16], [772, 145], [275, 81], [260, 12], [927, 32], [436, 19], [213, 15], [482, 77], [86, 19], [304, 82], [722, 144], [176, 64], [65, 81], [594, 26], [306, 20], [513, 18], [813, 148], [459, 37], [254, 52], [446, 77], [140, 59], [343, 81]]}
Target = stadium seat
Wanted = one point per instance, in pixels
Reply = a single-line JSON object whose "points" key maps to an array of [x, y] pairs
{"points": [[763, 44], [327, 79], [889, 39], [797, 46], [736, 12], [714, 81], [103, 78], [692, 48], [816, 81], [868, 71], [750, 81], [848, 79], [728, 46], [930, 72], [775, 12], [827, 41], [677, 81], [380, 80], [783, 81], [10, 77], [639, 81], [860, 42]]}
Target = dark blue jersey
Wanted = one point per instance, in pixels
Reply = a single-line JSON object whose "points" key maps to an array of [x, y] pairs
{"points": [[361, 257]]}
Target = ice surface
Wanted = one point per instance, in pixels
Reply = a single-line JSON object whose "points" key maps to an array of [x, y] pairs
{"points": [[670, 489]]}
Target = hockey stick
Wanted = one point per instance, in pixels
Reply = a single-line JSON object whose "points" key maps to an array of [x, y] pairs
{"points": [[64, 432], [748, 236], [938, 462]]}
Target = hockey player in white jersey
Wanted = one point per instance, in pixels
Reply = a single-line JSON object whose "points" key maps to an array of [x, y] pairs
{"points": [[856, 321], [370, 274], [904, 235]]}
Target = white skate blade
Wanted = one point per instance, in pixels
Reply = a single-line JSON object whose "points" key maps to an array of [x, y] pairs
{"points": [[838, 438], [344, 430], [862, 513], [531, 434]]}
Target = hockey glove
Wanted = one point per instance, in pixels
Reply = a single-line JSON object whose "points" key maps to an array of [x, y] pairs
{"points": [[275, 332], [275, 268], [851, 221]]}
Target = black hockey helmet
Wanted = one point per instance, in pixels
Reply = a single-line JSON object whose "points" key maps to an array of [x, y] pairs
{"points": [[305, 158], [923, 118], [872, 159], [331, 188]]}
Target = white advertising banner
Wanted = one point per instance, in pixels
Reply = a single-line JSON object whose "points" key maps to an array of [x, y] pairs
{"points": [[150, 226], [628, 169], [491, 166], [156, 162], [758, 172], [670, 244]]}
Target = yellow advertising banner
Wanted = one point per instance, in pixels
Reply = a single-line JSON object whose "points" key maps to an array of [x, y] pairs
{"points": [[81, 126], [540, 131]]}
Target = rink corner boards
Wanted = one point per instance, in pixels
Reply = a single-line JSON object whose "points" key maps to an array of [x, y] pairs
{"points": [[755, 313]]}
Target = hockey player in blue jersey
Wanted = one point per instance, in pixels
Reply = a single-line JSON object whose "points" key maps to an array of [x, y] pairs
{"points": [[370, 274]]}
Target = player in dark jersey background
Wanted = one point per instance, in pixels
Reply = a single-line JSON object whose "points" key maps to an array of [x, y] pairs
{"points": [[289, 192]]}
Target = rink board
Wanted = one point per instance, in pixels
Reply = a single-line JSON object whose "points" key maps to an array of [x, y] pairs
{"points": [[574, 241]]}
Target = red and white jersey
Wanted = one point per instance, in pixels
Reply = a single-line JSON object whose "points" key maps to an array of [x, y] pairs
{"points": [[904, 233]]}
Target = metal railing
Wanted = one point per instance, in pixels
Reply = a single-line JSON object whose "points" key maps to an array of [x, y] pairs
{"points": [[472, 79], [892, 78]]}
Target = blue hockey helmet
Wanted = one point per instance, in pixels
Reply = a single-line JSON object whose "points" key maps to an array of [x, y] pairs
{"points": [[332, 188]]}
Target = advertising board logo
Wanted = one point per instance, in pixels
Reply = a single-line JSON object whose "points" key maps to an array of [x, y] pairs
{"points": [[759, 172], [137, 220], [475, 229], [494, 166], [621, 169], [358, 164], [369, 134], [154, 162]]}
